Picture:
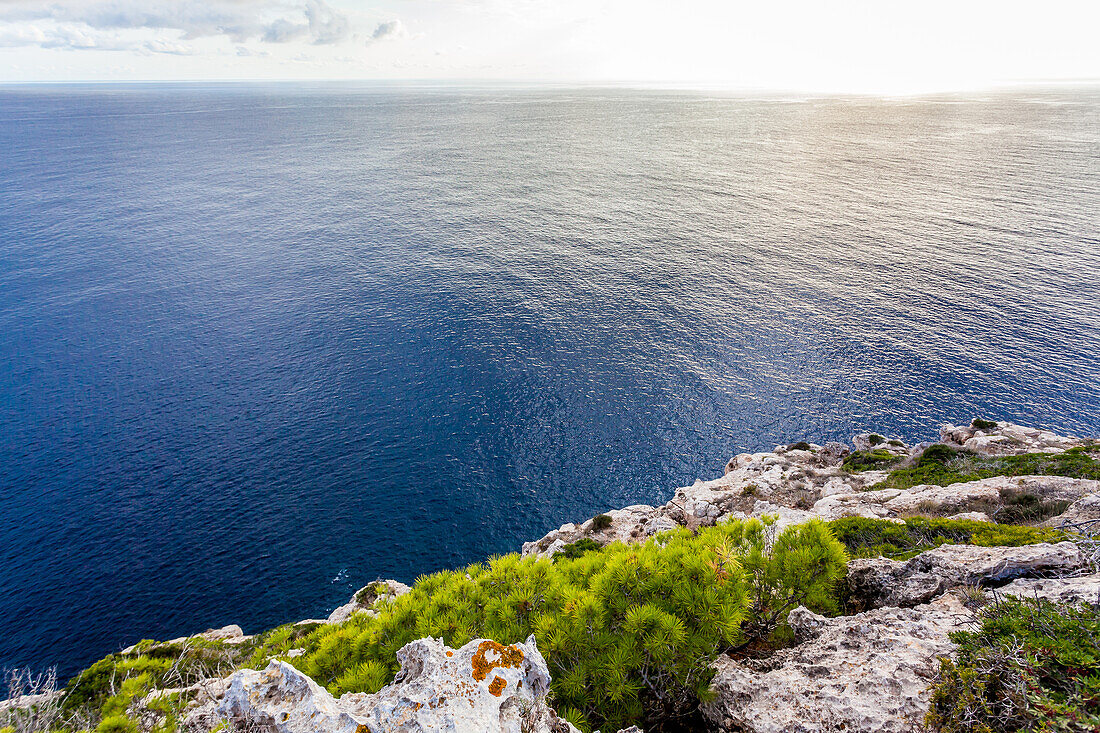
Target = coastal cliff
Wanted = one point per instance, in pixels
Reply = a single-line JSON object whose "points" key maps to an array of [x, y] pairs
{"points": [[863, 587]]}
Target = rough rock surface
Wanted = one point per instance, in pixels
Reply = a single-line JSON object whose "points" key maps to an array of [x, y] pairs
{"points": [[864, 673], [231, 634], [1005, 439], [367, 598], [482, 687], [878, 582], [1082, 589]]}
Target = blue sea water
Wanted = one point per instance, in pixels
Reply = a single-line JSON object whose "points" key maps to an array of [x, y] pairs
{"points": [[264, 344]]}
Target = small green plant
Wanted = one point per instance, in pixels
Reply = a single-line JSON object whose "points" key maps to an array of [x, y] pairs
{"points": [[895, 443], [370, 593], [973, 596], [1031, 665], [750, 490], [875, 439], [981, 424], [800, 445], [601, 521]]}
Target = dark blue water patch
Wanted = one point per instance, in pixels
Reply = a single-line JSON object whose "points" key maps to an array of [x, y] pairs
{"points": [[262, 345]]}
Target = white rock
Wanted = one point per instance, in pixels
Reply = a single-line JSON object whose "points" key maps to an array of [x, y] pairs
{"points": [[971, 517], [484, 687], [1083, 589], [1005, 439], [867, 673], [877, 582]]}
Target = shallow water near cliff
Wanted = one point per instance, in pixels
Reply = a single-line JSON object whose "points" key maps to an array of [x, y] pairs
{"points": [[264, 344]]}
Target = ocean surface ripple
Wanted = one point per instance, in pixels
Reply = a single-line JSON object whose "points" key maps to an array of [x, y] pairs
{"points": [[264, 344]]}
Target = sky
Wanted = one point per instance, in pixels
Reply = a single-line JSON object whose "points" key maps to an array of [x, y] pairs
{"points": [[872, 46]]}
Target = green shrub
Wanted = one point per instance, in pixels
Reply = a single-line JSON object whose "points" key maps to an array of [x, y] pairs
{"points": [[869, 460], [875, 439], [628, 631], [981, 424], [1033, 665], [800, 445], [601, 521], [575, 549], [884, 538], [943, 465]]}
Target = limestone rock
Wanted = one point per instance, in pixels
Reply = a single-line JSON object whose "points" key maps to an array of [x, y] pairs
{"points": [[626, 525], [866, 673], [878, 582], [1082, 589], [231, 634], [367, 597], [1005, 439], [484, 687], [971, 517], [875, 441]]}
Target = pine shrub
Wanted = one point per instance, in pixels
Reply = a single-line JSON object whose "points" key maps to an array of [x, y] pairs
{"points": [[628, 631]]}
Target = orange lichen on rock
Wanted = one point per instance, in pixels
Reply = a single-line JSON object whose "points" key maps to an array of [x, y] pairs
{"points": [[497, 686], [450, 654], [506, 656]]}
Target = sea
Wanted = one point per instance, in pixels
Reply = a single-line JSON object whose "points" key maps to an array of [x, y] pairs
{"points": [[261, 344]]}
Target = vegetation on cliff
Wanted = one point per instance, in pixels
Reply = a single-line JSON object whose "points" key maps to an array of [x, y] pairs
{"points": [[943, 465], [628, 631], [901, 540], [1031, 665]]}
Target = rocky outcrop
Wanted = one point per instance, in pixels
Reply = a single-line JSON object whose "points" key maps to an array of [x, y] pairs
{"points": [[878, 582], [484, 687], [1004, 439], [231, 634], [864, 673], [805, 480], [367, 599]]}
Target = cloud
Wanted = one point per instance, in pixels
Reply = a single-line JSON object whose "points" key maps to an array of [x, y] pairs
{"points": [[271, 21], [389, 30]]}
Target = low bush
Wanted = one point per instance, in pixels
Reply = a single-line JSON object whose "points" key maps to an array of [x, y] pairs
{"points": [[885, 538], [628, 631], [943, 465], [869, 460], [1031, 665], [575, 549], [601, 521], [981, 424]]}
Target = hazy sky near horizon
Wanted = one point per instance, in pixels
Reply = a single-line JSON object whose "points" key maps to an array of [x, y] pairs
{"points": [[859, 46]]}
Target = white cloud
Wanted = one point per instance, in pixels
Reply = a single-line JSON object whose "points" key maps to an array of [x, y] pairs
{"points": [[273, 21]]}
